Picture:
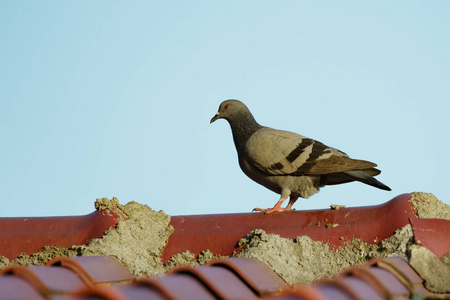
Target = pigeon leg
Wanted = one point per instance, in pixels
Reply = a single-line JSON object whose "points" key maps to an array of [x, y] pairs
{"points": [[284, 195], [291, 202]]}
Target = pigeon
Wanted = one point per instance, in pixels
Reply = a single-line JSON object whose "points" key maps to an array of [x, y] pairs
{"points": [[288, 163]]}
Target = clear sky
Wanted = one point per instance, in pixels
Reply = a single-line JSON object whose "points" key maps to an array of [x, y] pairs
{"points": [[113, 98]]}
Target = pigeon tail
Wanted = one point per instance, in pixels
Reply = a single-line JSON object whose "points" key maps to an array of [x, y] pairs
{"points": [[367, 179]]}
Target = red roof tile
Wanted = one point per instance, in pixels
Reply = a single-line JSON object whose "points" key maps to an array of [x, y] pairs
{"points": [[29, 235], [222, 282], [357, 288], [185, 286], [399, 267], [219, 233], [47, 281], [95, 270], [235, 278], [254, 273], [433, 234], [103, 277], [304, 292], [145, 289], [333, 291], [100, 292], [16, 288]]}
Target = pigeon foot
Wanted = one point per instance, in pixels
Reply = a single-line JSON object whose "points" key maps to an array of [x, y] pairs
{"points": [[284, 194], [271, 210]]}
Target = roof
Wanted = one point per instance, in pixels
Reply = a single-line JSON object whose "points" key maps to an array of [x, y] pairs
{"points": [[103, 277], [217, 232], [426, 269]]}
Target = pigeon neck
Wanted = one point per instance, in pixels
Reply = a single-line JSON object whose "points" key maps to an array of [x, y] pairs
{"points": [[243, 127]]}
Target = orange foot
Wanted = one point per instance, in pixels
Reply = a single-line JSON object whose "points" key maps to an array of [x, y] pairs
{"points": [[277, 206], [271, 210]]}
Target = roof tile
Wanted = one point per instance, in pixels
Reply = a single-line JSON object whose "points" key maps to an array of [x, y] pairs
{"points": [[232, 278], [221, 281], [47, 281], [300, 292], [219, 232], [15, 288], [104, 277], [95, 269], [184, 286], [334, 291], [141, 290], [57, 279], [29, 235], [100, 293], [255, 273], [432, 234], [381, 280], [399, 267], [357, 288]]}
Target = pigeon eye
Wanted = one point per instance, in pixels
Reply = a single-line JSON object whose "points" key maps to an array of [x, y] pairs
{"points": [[227, 106]]}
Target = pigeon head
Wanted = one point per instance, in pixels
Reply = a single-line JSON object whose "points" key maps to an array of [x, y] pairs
{"points": [[230, 110], [241, 120]]}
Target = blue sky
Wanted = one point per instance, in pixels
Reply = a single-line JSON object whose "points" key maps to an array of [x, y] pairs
{"points": [[114, 98]]}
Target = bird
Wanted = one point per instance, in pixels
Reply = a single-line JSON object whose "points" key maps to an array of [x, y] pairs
{"points": [[288, 163]]}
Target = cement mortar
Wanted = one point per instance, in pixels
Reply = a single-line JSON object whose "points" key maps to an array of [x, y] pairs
{"points": [[305, 260], [428, 206], [4, 262], [435, 272], [185, 258], [137, 242], [188, 258]]}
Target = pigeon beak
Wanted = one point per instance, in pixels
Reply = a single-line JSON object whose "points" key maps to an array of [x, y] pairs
{"points": [[216, 116]]}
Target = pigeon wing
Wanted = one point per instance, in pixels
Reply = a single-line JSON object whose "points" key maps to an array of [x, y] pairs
{"points": [[337, 164], [277, 152]]}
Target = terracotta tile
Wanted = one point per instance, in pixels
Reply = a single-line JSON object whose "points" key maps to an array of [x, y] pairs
{"points": [[224, 283], [403, 266], [47, 280], [432, 234], [58, 279], [140, 291], [62, 297], [300, 292], [233, 278], [291, 296], [381, 280], [158, 286], [16, 288], [220, 232], [100, 293], [331, 291], [29, 235], [359, 288], [261, 278], [182, 286], [389, 280], [400, 268], [95, 269]]}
